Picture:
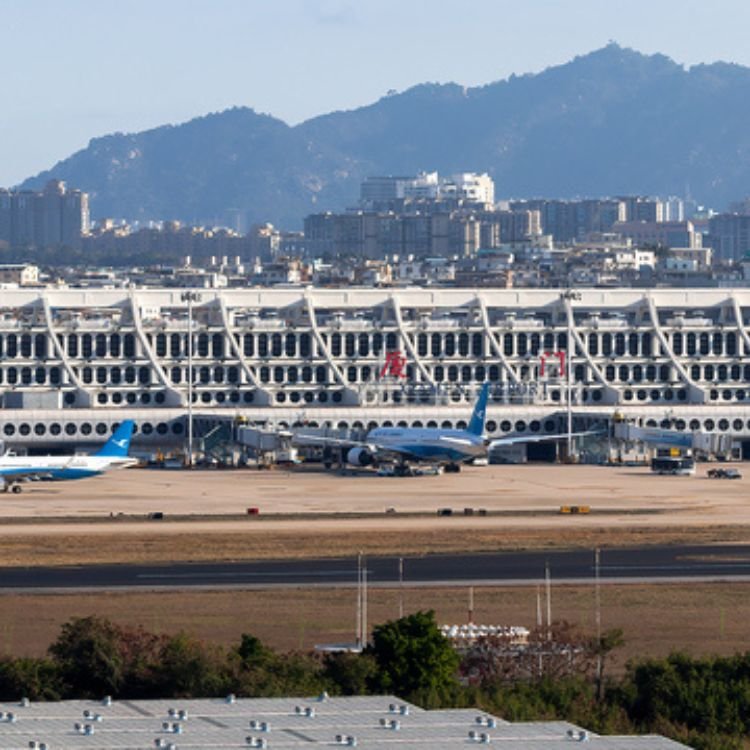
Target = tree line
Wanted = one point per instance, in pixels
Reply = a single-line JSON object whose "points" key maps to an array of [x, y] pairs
{"points": [[559, 674]]}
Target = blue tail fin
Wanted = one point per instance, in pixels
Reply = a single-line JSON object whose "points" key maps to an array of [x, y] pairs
{"points": [[119, 444], [476, 425]]}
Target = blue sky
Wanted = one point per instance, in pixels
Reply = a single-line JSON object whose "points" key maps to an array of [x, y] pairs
{"points": [[76, 69]]}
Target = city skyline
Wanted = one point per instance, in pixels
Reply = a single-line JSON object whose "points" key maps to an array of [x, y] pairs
{"points": [[143, 66]]}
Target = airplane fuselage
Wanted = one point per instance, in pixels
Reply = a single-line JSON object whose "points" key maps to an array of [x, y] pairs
{"points": [[430, 443], [60, 467]]}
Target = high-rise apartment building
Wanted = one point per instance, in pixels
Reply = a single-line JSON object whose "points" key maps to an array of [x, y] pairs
{"points": [[377, 191], [391, 193], [53, 217], [438, 233], [469, 187], [729, 236], [660, 233], [638, 208], [567, 220]]}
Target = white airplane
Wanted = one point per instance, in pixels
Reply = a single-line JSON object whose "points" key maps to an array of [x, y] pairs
{"points": [[113, 455], [448, 448]]}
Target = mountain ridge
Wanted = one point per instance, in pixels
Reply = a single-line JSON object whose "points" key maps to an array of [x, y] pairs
{"points": [[612, 121]]}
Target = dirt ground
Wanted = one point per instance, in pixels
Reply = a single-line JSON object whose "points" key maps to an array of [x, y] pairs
{"points": [[521, 488], [312, 513], [656, 619]]}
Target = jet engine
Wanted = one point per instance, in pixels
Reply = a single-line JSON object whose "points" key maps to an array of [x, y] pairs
{"points": [[360, 457]]}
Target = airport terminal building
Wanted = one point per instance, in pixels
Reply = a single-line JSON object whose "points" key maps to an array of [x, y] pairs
{"points": [[75, 362]]}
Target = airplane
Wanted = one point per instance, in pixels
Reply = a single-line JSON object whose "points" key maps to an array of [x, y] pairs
{"points": [[113, 455], [448, 448]]}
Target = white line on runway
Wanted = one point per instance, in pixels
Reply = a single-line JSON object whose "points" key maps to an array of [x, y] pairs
{"points": [[488, 583], [250, 574]]}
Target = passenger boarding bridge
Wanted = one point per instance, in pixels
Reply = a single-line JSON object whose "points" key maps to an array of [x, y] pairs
{"points": [[73, 362]]}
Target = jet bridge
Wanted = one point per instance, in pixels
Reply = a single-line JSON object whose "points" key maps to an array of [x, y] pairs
{"points": [[707, 443], [267, 446]]}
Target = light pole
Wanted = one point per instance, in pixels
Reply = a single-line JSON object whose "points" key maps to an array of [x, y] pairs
{"points": [[190, 297], [568, 296]]}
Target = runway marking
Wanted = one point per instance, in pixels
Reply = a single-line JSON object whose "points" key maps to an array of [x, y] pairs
{"points": [[697, 566], [452, 584], [250, 574]]}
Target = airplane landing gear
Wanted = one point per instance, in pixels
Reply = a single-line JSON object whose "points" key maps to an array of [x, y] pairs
{"points": [[15, 489], [452, 468]]}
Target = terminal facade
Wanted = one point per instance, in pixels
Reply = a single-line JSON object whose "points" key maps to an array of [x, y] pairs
{"points": [[75, 362]]}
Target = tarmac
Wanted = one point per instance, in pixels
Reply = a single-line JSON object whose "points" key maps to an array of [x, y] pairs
{"points": [[519, 495]]}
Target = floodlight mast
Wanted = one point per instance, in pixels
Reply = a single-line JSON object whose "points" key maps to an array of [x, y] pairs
{"points": [[568, 296], [190, 297]]}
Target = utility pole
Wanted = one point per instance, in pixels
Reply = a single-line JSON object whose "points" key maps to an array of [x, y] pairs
{"points": [[359, 601], [548, 587], [539, 626], [190, 298], [364, 638], [400, 587], [599, 662], [568, 296]]}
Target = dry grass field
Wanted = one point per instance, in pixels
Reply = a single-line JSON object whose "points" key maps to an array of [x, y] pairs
{"points": [[656, 619], [308, 513]]}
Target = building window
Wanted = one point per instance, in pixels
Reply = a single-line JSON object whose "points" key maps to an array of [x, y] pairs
{"points": [[129, 345], [202, 345], [349, 344], [217, 345]]}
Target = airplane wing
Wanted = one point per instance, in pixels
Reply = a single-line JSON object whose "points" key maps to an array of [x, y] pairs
{"points": [[382, 452], [456, 440], [540, 438], [300, 438]]}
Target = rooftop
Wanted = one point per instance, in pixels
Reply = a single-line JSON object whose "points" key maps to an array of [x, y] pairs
{"points": [[367, 722]]}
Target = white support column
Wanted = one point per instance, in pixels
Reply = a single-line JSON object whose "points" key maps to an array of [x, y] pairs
{"points": [[83, 396], [239, 355], [494, 345], [740, 326], [351, 396], [409, 344], [173, 396], [697, 394], [612, 394]]}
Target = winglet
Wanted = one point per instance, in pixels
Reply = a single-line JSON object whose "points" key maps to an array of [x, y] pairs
{"points": [[119, 444], [476, 425]]}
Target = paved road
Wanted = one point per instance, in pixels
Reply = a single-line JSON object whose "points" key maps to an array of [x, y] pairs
{"points": [[643, 564]]}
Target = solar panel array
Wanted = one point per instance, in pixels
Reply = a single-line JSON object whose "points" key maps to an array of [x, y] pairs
{"points": [[372, 723]]}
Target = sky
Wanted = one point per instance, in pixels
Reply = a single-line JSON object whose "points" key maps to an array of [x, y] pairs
{"points": [[77, 69]]}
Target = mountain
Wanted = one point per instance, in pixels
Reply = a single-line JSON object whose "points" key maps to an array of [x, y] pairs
{"points": [[613, 121]]}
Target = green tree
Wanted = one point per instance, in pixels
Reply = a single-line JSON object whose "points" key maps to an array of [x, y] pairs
{"points": [[36, 679], [602, 648], [413, 657], [188, 668], [252, 652], [88, 656], [350, 674]]}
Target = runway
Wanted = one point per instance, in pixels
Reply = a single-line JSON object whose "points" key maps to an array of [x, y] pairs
{"points": [[645, 564]]}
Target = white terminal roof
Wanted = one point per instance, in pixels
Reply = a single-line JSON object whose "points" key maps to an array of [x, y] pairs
{"points": [[371, 723]]}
